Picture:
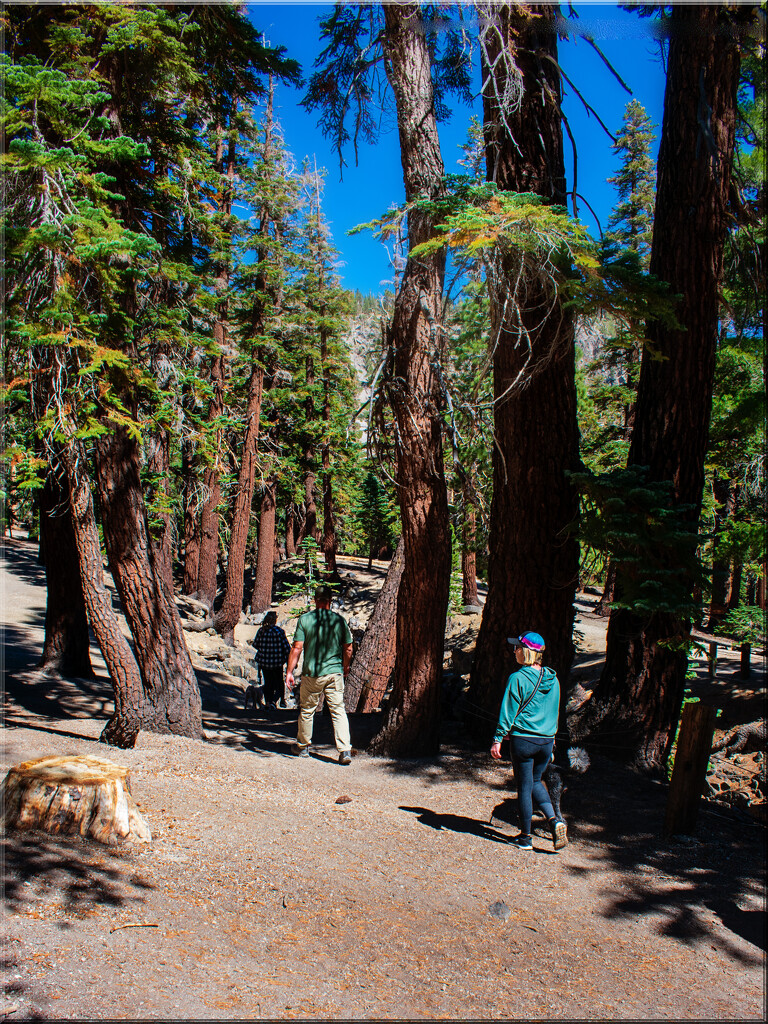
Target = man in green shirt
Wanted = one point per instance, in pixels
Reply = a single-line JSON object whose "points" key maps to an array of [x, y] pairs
{"points": [[326, 641]]}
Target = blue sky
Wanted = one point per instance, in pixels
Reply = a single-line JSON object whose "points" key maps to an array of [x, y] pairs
{"points": [[369, 189]]}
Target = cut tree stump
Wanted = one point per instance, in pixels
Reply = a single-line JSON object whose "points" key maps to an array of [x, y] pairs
{"points": [[69, 794]]}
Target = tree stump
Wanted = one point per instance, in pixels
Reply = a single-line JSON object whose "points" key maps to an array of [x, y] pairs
{"points": [[69, 794]]}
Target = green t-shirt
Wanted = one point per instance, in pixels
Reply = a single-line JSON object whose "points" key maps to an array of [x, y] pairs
{"points": [[323, 634]]}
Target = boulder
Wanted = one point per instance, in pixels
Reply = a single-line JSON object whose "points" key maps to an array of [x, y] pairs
{"points": [[244, 632]]}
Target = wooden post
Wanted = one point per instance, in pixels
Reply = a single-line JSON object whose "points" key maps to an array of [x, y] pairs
{"points": [[694, 744], [746, 653], [712, 660]]}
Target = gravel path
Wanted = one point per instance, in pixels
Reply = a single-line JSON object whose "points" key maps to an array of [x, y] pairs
{"points": [[262, 897]]}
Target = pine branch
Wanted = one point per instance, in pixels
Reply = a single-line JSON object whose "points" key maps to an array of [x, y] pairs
{"points": [[588, 106]]}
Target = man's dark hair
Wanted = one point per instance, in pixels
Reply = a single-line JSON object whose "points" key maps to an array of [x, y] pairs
{"points": [[323, 593]]}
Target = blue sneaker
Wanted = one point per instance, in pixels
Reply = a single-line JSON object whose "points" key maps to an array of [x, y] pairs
{"points": [[522, 842]]}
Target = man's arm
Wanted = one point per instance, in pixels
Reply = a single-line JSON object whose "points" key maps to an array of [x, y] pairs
{"points": [[293, 661], [346, 657]]}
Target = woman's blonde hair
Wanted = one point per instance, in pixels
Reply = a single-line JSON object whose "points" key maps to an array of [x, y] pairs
{"points": [[531, 657]]}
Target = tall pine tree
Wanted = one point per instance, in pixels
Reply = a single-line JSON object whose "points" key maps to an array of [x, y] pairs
{"points": [[631, 223], [636, 705]]}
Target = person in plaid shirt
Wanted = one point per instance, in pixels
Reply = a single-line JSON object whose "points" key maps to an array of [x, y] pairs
{"points": [[272, 650]]}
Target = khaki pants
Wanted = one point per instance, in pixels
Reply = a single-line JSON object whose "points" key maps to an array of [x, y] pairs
{"points": [[312, 688]]}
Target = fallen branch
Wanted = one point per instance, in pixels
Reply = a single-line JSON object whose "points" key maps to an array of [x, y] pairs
{"points": [[136, 924]]}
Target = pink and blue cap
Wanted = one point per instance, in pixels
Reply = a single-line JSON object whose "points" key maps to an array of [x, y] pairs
{"points": [[533, 641]]}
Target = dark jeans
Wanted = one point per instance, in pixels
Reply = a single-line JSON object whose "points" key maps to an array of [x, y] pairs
{"points": [[274, 687], [530, 756]]}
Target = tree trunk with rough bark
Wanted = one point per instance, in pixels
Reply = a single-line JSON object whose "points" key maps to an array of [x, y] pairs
{"points": [[232, 606], [636, 704], [374, 662], [208, 556], [172, 696], [533, 560], [191, 519], [330, 540], [309, 527], [158, 456], [265, 555], [124, 675], [726, 498], [290, 530], [417, 341], [469, 596], [229, 614], [208, 563], [603, 606], [468, 553], [734, 586], [67, 643], [760, 596]]}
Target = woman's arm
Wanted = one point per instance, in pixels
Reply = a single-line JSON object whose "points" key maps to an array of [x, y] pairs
{"points": [[509, 707]]}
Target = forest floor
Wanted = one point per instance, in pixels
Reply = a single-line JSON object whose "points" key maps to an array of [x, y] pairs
{"points": [[263, 897]]}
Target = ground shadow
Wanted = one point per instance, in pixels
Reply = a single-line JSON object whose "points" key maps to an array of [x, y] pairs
{"points": [[616, 817], [259, 735], [23, 561], [53, 696], [456, 823], [468, 763], [680, 881], [77, 873], [20, 650], [16, 989], [273, 731], [11, 721]]}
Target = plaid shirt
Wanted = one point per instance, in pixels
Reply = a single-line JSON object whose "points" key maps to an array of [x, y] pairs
{"points": [[272, 647]]}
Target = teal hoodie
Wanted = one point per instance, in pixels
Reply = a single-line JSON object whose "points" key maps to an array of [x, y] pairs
{"points": [[540, 716]]}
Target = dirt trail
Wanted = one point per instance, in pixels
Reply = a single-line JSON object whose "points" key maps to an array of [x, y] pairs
{"points": [[262, 897]]}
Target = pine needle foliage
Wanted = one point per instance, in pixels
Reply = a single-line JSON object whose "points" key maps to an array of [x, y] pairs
{"points": [[652, 541], [375, 515], [520, 237], [111, 117]]}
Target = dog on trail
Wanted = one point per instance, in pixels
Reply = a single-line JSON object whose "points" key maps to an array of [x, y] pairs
{"points": [[571, 760], [254, 695], [574, 760]]}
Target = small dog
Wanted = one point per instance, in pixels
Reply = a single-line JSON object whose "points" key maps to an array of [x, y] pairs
{"points": [[576, 760], [255, 696], [571, 760]]}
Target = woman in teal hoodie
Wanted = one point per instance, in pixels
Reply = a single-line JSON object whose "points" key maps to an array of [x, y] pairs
{"points": [[528, 716]]}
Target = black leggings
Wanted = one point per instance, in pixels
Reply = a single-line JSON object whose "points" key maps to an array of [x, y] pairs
{"points": [[531, 755], [274, 688]]}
